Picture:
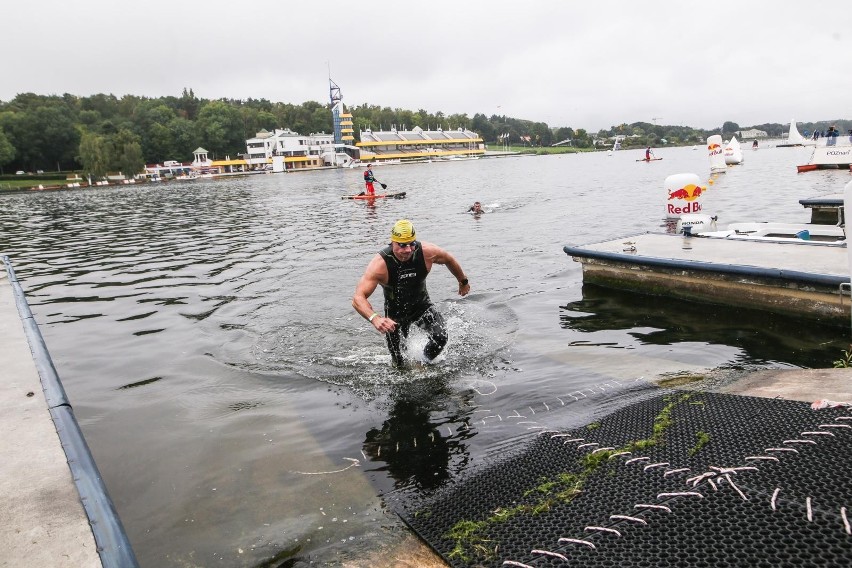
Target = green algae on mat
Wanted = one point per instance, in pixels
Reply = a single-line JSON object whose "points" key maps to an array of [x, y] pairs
{"points": [[703, 438], [471, 537]]}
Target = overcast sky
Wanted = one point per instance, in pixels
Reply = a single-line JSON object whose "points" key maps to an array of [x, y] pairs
{"points": [[585, 65]]}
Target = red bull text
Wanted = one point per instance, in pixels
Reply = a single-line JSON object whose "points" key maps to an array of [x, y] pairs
{"points": [[688, 193]]}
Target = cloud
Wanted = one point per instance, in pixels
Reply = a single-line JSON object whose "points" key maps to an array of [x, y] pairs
{"points": [[564, 63]]}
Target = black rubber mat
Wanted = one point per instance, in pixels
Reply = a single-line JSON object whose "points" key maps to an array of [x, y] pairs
{"points": [[712, 480]]}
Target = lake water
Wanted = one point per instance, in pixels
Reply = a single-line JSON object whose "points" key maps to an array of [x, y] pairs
{"points": [[239, 409]]}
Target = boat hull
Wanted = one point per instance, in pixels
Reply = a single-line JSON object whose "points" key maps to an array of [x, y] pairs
{"points": [[830, 153]]}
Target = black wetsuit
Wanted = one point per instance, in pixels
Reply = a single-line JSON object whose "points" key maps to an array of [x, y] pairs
{"points": [[407, 302]]}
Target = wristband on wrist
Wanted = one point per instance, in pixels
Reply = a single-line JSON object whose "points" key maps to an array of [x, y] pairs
{"points": [[372, 317], [463, 281]]}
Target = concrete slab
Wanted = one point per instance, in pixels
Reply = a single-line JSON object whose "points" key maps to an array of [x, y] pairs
{"points": [[42, 521], [806, 385]]}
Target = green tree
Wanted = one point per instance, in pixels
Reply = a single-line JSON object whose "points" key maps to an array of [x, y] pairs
{"points": [[7, 151], [582, 139], [564, 133], [729, 126], [94, 155], [458, 121], [130, 159], [42, 130], [150, 122], [320, 121], [105, 105], [482, 126], [184, 138], [542, 134], [158, 144], [118, 148], [188, 105], [220, 129]]}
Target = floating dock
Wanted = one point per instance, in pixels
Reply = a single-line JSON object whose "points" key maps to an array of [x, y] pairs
{"points": [[800, 279], [826, 209]]}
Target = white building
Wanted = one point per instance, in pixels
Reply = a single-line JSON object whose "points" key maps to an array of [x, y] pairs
{"points": [[753, 133], [292, 149], [417, 144]]}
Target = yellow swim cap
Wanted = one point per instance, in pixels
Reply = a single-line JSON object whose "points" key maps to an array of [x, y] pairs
{"points": [[402, 232]]}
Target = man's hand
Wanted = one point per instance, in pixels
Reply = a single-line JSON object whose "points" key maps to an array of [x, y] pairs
{"points": [[383, 324]]}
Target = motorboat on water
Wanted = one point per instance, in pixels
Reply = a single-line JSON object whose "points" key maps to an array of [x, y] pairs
{"points": [[704, 226], [830, 152], [826, 226]]}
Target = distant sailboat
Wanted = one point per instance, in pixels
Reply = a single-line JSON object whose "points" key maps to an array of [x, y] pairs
{"points": [[794, 138], [615, 146]]}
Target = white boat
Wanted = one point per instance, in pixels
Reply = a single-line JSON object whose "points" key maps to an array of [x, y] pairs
{"points": [[733, 152], [830, 233], [804, 233], [458, 158], [832, 152]]}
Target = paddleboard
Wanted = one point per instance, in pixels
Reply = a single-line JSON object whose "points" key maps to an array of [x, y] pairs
{"points": [[651, 160], [398, 195]]}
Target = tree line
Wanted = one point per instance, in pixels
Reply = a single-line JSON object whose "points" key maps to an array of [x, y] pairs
{"points": [[104, 133]]}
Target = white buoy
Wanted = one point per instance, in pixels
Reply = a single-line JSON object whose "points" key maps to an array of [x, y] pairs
{"points": [[683, 195], [716, 153], [733, 152]]}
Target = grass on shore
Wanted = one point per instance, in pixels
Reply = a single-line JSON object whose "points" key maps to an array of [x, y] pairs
{"points": [[28, 182]]}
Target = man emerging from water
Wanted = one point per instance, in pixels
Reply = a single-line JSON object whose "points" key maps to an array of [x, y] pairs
{"points": [[401, 269]]}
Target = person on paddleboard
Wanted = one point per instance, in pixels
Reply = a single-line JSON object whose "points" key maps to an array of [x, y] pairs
{"points": [[369, 179], [401, 269], [648, 154]]}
